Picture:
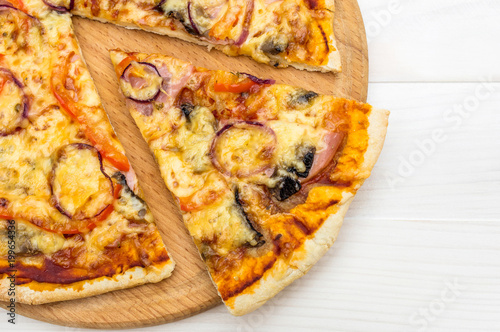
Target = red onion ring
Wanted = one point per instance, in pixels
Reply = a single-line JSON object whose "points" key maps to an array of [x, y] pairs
{"points": [[245, 30], [259, 80], [241, 124], [193, 25], [7, 5], [55, 201], [62, 9], [24, 100], [125, 78]]}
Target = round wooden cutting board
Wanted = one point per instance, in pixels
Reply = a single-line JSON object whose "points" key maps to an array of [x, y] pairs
{"points": [[189, 290]]}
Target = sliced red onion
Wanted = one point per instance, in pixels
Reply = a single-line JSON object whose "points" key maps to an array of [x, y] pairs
{"points": [[259, 80], [14, 117], [253, 156], [99, 200], [4, 5], [141, 89], [158, 7], [193, 25], [56, 5], [243, 37], [246, 23]]}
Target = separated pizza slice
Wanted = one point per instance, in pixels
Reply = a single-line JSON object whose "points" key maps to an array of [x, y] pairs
{"points": [[280, 33], [72, 219], [263, 172]]}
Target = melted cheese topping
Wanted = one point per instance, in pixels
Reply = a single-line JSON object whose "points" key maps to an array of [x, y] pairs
{"points": [[30, 239], [78, 183], [221, 224], [228, 217], [28, 159], [279, 32]]}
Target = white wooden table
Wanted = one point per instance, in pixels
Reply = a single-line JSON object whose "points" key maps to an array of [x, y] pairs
{"points": [[420, 246]]}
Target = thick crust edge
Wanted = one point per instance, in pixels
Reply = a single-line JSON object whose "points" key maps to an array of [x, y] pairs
{"points": [[283, 274], [334, 59], [28, 294]]}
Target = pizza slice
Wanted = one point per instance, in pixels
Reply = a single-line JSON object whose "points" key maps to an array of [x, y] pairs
{"points": [[280, 33], [72, 219], [264, 173]]}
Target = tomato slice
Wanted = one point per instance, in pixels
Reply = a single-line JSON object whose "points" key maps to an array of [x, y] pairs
{"points": [[73, 226], [17, 4], [101, 139], [124, 64], [200, 199], [243, 86]]}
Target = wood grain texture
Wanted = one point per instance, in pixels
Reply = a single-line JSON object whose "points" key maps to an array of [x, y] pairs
{"points": [[189, 290]]}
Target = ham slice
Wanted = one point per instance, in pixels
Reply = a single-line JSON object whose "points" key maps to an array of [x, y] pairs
{"points": [[322, 158]]}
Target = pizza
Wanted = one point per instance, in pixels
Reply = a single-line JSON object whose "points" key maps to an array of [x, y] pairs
{"points": [[72, 219], [280, 33], [263, 172]]}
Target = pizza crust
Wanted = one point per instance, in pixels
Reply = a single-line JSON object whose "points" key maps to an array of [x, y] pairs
{"points": [[334, 59], [29, 294], [282, 273], [334, 63]]}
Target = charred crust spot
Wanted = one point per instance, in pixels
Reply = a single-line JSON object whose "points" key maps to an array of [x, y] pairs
{"points": [[229, 294], [285, 188], [304, 229], [95, 8], [276, 243], [325, 39]]}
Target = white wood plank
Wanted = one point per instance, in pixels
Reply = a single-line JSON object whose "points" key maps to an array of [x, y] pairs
{"points": [[456, 177], [428, 40]]}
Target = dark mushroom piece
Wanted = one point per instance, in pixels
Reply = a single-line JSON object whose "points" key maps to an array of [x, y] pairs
{"points": [[286, 187], [306, 155], [187, 109], [258, 240], [129, 201], [274, 45], [301, 97]]}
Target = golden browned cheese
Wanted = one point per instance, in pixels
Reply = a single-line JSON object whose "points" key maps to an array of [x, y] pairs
{"points": [[224, 141], [276, 32], [63, 172]]}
